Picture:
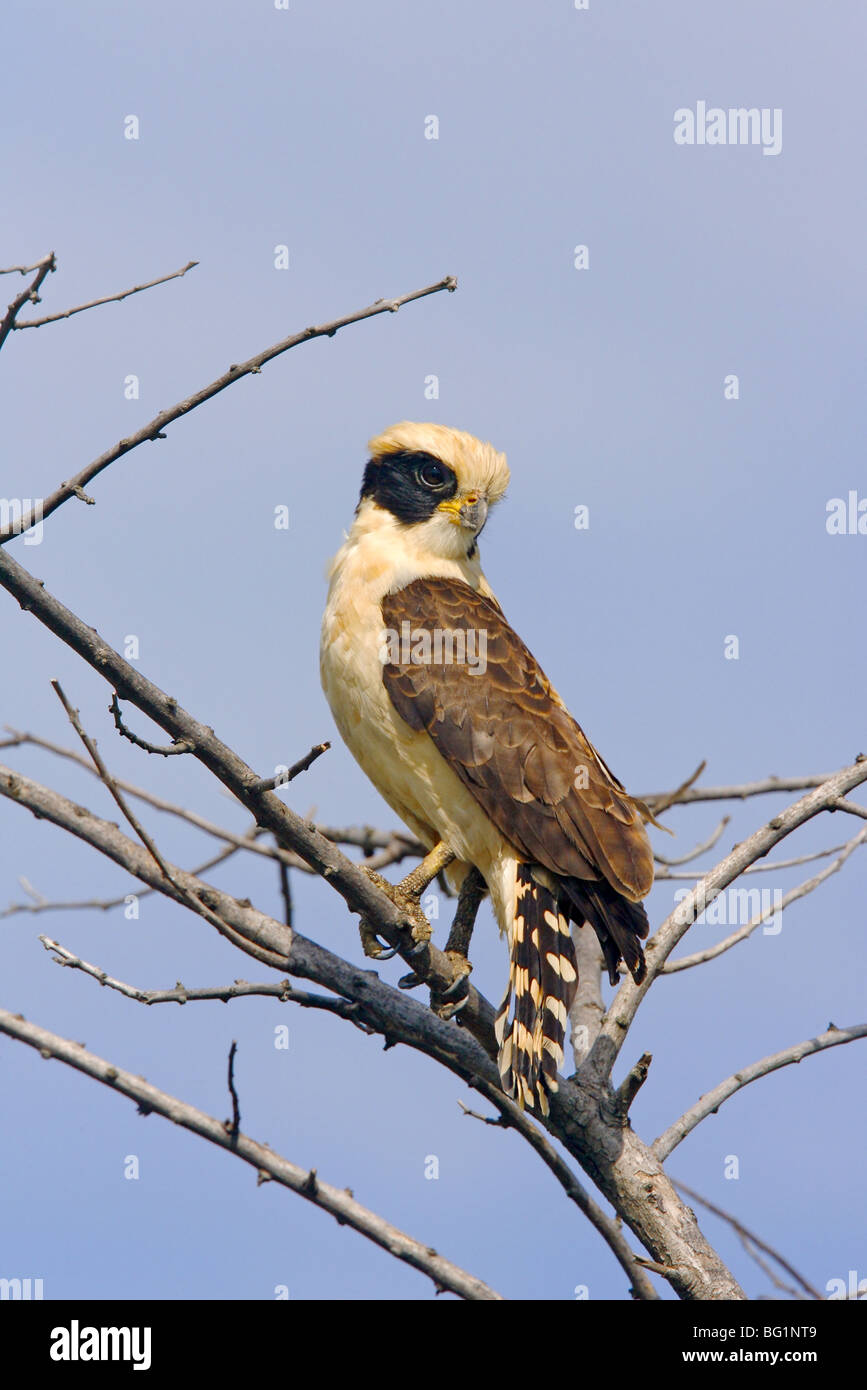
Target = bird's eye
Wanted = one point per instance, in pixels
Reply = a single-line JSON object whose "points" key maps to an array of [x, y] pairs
{"points": [[431, 474]]}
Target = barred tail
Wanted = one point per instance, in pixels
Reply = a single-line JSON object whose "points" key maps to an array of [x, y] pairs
{"points": [[543, 978]]}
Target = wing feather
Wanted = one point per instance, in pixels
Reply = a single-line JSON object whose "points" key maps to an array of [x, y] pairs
{"points": [[507, 735]]}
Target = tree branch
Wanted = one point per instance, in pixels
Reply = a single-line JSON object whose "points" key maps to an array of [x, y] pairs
{"points": [[239, 989], [269, 1165], [626, 1002], [583, 1118], [106, 299], [29, 295], [155, 428], [671, 967], [510, 1117], [710, 1103], [749, 1238]]}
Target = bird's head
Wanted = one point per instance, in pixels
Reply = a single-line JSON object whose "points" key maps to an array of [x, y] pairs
{"points": [[439, 480]]}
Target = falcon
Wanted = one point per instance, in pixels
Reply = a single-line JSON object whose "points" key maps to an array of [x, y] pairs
{"points": [[459, 729]]}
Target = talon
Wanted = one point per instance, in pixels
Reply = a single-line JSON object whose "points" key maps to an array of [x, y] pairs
{"points": [[409, 981], [448, 1011], [458, 989], [417, 950], [372, 946]]}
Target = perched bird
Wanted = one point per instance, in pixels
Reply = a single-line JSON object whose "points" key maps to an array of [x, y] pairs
{"points": [[464, 736]]}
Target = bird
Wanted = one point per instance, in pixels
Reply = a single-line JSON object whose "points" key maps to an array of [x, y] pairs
{"points": [[456, 725]]}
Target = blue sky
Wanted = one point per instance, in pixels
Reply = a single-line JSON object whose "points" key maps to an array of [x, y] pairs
{"points": [[604, 386]]}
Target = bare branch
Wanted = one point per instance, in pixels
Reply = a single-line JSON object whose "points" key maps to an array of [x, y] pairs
{"points": [[711, 1102], [106, 299], [750, 1238], [269, 1165], [29, 295], [687, 794], [851, 807], [699, 849], [627, 1172], [233, 1126], [663, 800], [155, 428], [181, 746], [282, 779], [771, 866], [626, 1002], [510, 1117], [239, 989], [671, 967], [26, 269], [106, 777]]}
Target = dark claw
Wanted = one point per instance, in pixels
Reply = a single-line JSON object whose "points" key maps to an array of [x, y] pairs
{"points": [[409, 981], [387, 951], [417, 950], [455, 988], [450, 1010]]}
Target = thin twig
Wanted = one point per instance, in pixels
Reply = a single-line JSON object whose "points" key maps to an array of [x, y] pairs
{"points": [[25, 269], [28, 295], [156, 427], [106, 299], [666, 799], [510, 1117], [629, 996], [694, 853], [179, 746], [710, 1103], [671, 967], [233, 1126], [109, 781], [686, 794], [750, 1236], [269, 1165], [283, 990], [269, 784]]}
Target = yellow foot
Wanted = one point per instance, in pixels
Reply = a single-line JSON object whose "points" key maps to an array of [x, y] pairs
{"points": [[407, 903]]}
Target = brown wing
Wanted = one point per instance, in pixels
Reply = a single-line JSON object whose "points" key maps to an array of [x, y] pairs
{"points": [[508, 737]]}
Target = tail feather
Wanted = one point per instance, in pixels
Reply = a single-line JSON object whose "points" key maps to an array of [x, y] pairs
{"points": [[543, 978], [543, 974]]}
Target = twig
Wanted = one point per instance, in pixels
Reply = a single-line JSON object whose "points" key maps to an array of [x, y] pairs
{"points": [[510, 1117], [748, 1235], [233, 1126], [286, 893], [710, 1103], [699, 849], [239, 989], [107, 778], [771, 866], [339, 1204], [179, 746], [155, 428], [268, 784], [666, 799], [106, 299], [628, 998], [686, 794], [851, 807], [28, 295], [627, 1172], [25, 269], [671, 967]]}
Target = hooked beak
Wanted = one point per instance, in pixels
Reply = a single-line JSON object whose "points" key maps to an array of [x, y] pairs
{"points": [[470, 512]]}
